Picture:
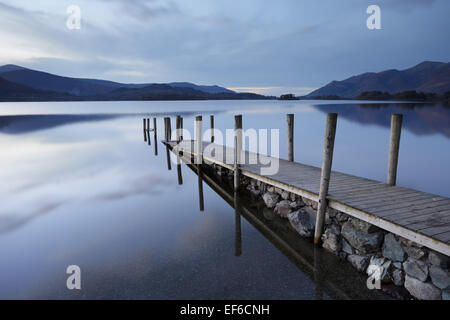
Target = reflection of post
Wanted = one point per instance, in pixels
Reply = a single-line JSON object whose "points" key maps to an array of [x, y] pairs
{"points": [[326, 172], [155, 136], [168, 134], [318, 292], [200, 188], [178, 137], [237, 149], [237, 230], [145, 131], [290, 128], [211, 117], [396, 130]]}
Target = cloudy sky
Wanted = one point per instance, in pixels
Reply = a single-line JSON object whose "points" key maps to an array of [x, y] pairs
{"points": [[269, 47]]}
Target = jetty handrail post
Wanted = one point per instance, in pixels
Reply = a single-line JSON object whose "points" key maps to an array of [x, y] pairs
{"points": [[145, 131], [396, 130], [167, 136], [327, 161], [148, 132], [211, 119], [155, 136], [178, 128], [237, 150], [198, 140], [290, 133]]}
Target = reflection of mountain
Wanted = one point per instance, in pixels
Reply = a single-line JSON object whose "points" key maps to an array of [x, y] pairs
{"points": [[420, 119], [30, 123]]}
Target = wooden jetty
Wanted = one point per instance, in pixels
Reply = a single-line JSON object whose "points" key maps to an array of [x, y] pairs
{"points": [[417, 216]]}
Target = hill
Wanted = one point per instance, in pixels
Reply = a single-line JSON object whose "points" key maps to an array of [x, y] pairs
{"points": [[431, 77]]}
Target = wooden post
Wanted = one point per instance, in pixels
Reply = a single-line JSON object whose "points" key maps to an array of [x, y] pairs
{"points": [[396, 130], [178, 127], [327, 161], [200, 188], [167, 136], [198, 141], [290, 134], [237, 150], [155, 136], [148, 132], [145, 132], [211, 117]]}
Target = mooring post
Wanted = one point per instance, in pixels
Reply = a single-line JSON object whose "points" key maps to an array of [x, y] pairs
{"points": [[237, 150], [198, 141], [211, 118], [396, 130], [167, 136], [178, 128], [155, 136], [145, 131], [148, 132], [290, 134], [330, 134]]}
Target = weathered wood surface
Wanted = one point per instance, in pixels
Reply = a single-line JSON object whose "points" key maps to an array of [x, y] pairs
{"points": [[415, 215]]}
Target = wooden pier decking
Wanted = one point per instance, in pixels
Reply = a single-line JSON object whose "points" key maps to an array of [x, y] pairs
{"points": [[417, 216]]}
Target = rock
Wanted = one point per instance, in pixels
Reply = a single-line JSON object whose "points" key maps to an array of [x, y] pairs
{"points": [[438, 260], [332, 239], [278, 190], [342, 217], [270, 199], [331, 212], [346, 247], [359, 239], [304, 221], [271, 189], [439, 277], [285, 195], [363, 226], [359, 262], [310, 203], [283, 208], [392, 248], [379, 269], [398, 265], [414, 252], [398, 277], [293, 197], [422, 290], [417, 269], [293, 205]]}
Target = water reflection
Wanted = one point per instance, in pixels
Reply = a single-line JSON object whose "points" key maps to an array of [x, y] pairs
{"points": [[332, 277], [420, 118]]}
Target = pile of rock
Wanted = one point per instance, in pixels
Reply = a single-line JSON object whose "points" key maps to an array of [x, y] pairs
{"points": [[394, 260]]}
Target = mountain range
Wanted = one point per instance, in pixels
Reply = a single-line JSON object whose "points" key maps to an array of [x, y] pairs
{"points": [[428, 76], [22, 84]]}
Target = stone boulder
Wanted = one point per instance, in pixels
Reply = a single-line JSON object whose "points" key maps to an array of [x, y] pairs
{"points": [[392, 248], [440, 277], [304, 221], [283, 208], [439, 260], [285, 195], [331, 239], [346, 247], [415, 268], [422, 290], [310, 203], [271, 199], [398, 277], [360, 263], [414, 252], [360, 236]]}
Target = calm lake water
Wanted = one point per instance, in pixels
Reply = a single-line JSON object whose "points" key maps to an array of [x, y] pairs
{"points": [[79, 186]]}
